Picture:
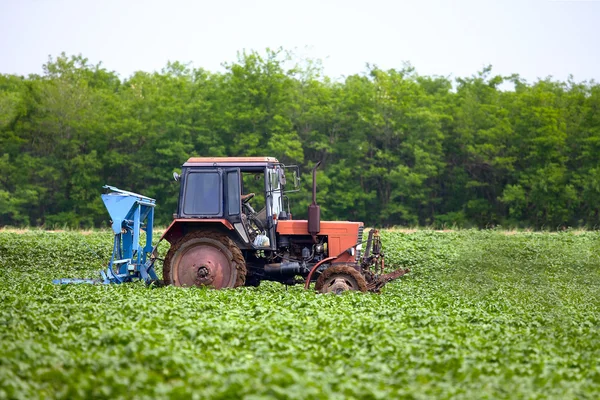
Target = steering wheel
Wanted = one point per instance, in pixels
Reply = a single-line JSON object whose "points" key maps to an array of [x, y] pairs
{"points": [[246, 198]]}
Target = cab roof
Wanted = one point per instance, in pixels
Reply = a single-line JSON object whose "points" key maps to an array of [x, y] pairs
{"points": [[194, 161]]}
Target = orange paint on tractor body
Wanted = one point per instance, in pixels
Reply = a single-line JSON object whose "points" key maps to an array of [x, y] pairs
{"points": [[341, 235]]}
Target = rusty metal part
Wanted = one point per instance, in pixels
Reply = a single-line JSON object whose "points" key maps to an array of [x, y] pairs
{"points": [[340, 278], [372, 264], [376, 242], [205, 258], [373, 256], [203, 263], [379, 281], [369, 276]]}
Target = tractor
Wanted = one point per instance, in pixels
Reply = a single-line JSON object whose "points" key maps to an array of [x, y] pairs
{"points": [[219, 240], [233, 227]]}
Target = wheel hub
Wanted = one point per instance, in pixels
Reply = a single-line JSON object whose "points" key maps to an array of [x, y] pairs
{"points": [[205, 265], [203, 276], [338, 285]]}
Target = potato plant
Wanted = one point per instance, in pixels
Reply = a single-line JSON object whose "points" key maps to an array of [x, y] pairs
{"points": [[482, 314]]}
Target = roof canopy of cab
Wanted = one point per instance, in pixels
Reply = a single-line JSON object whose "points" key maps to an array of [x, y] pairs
{"points": [[229, 161]]}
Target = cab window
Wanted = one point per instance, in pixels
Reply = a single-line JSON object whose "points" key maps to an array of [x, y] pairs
{"points": [[203, 194]]}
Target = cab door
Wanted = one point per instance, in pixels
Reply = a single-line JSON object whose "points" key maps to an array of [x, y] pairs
{"points": [[233, 202]]}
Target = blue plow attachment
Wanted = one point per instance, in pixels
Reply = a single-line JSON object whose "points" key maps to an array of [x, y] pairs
{"points": [[130, 213]]}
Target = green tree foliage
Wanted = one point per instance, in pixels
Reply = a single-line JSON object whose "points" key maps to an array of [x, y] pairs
{"points": [[396, 148]]}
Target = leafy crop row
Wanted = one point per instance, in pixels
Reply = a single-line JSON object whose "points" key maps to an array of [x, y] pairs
{"points": [[482, 314]]}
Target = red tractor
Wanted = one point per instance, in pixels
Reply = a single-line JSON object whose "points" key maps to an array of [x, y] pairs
{"points": [[219, 240]]}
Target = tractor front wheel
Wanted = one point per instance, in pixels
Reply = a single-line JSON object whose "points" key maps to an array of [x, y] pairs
{"points": [[340, 278], [205, 258]]}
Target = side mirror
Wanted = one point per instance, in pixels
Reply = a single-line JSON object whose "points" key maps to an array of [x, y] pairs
{"points": [[295, 177], [176, 176]]}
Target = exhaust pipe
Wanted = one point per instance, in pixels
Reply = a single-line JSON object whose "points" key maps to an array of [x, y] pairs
{"points": [[314, 211]]}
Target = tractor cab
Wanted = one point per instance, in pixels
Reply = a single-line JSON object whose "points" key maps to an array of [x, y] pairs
{"points": [[244, 194]]}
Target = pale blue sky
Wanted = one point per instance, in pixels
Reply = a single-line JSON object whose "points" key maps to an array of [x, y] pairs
{"points": [[450, 38]]}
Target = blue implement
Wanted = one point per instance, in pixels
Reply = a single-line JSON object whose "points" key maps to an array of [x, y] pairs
{"points": [[130, 213]]}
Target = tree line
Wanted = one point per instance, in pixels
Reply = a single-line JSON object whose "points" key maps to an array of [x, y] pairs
{"points": [[397, 148]]}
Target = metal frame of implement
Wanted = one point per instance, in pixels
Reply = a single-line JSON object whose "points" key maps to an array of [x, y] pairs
{"points": [[128, 211]]}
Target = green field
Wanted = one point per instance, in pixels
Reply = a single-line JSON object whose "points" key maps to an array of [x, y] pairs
{"points": [[483, 314]]}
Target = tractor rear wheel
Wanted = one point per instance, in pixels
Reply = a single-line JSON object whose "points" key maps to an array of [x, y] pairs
{"points": [[340, 278], [205, 258]]}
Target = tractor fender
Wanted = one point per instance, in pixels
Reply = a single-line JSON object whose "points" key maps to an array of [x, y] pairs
{"points": [[181, 226]]}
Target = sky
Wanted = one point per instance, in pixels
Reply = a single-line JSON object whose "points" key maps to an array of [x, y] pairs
{"points": [[535, 39]]}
